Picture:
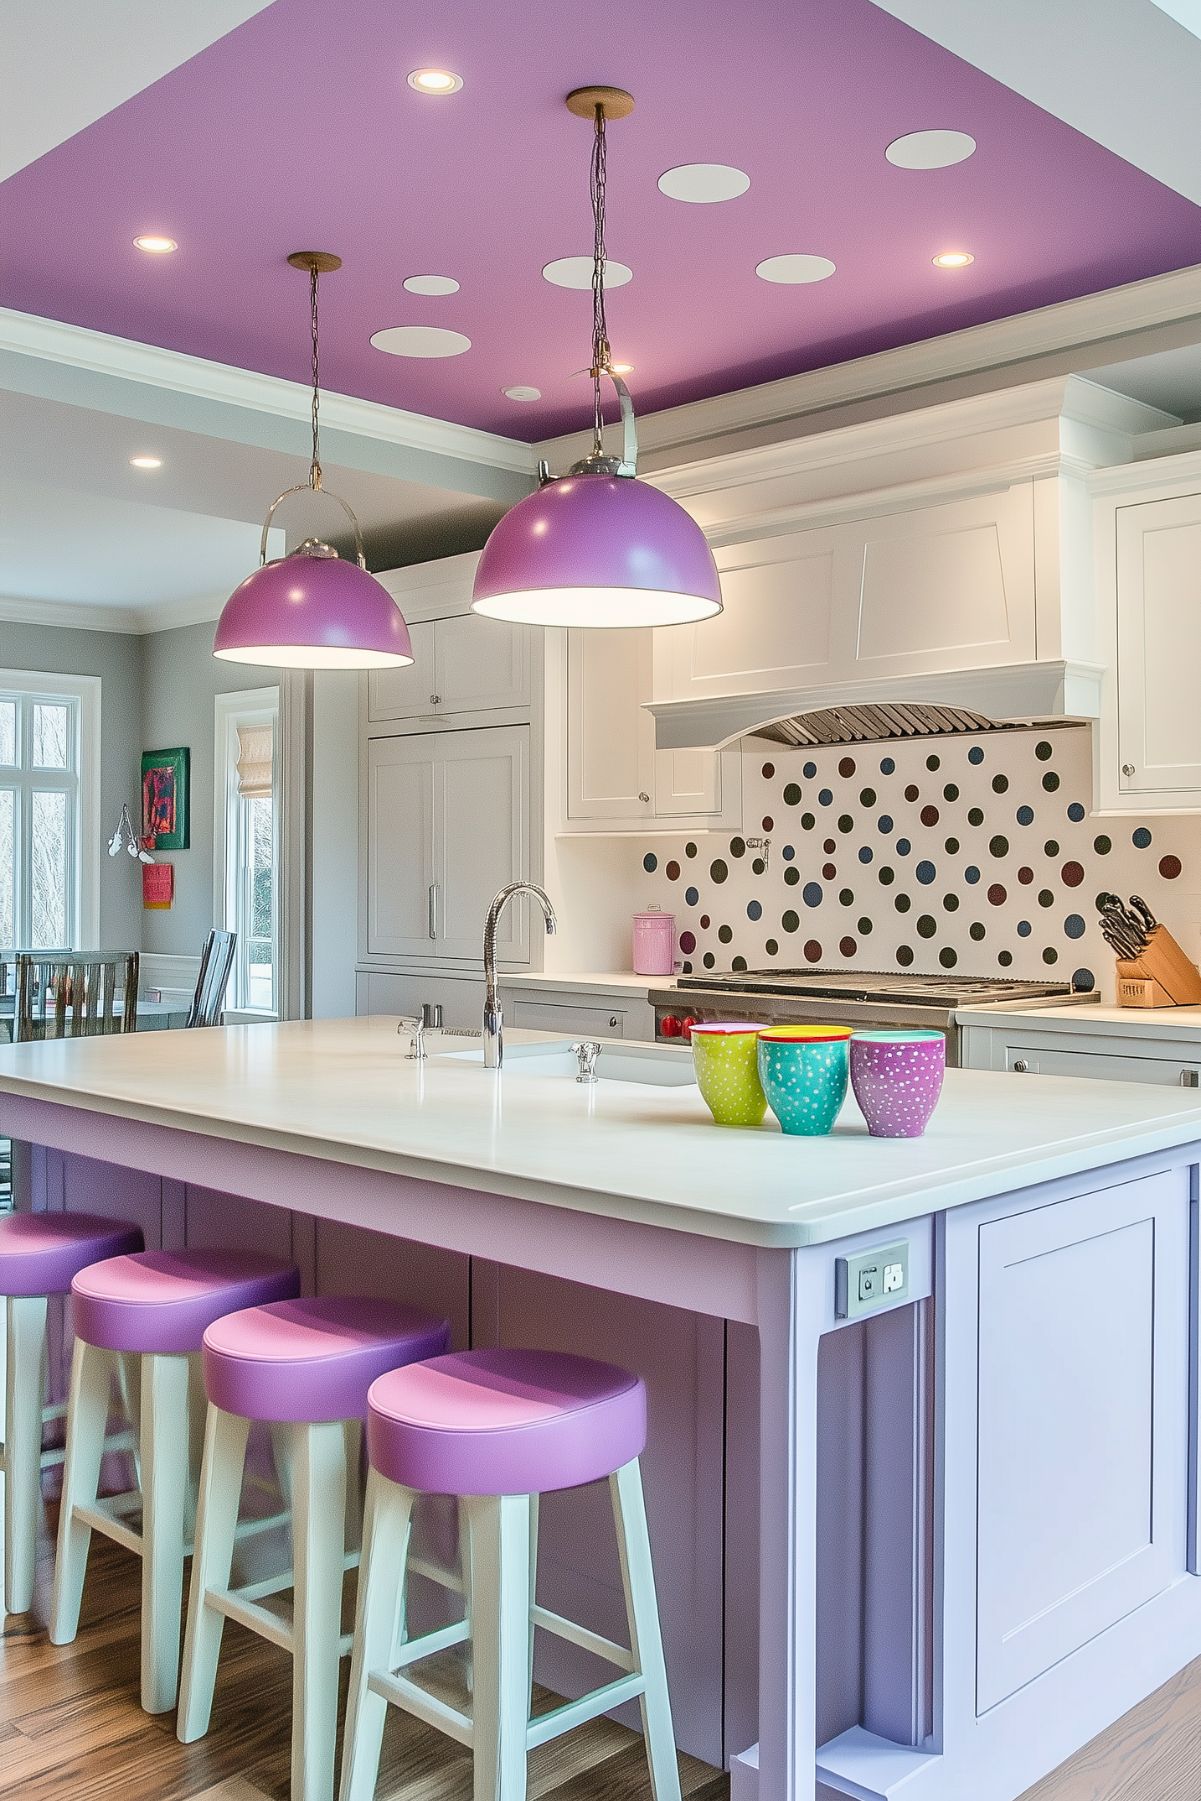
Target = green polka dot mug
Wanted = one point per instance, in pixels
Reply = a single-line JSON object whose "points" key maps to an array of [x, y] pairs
{"points": [[727, 1072]]}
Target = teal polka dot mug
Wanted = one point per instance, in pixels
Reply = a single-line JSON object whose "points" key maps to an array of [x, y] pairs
{"points": [[804, 1072]]}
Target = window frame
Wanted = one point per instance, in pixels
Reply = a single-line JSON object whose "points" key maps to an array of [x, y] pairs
{"points": [[246, 706], [81, 783]]}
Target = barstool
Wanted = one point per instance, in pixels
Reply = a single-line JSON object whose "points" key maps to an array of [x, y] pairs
{"points": [[39, 1255], [305, 1365], [155, 1305], [497, 1428]]}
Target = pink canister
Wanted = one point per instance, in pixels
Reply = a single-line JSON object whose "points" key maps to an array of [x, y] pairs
{"points": [[654, 943]]}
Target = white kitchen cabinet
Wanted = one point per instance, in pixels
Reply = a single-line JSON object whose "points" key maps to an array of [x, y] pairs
{"points": [[447, 826], [1067, 1047], [579, 1021], [616, 780], [464, 663], [460, 998], [1159, 647]]}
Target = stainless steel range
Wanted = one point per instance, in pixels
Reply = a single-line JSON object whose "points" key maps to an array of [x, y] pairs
{"points": [[849, 997]]}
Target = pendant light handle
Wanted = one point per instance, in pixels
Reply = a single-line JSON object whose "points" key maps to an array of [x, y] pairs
{"points": [[308, 488]]}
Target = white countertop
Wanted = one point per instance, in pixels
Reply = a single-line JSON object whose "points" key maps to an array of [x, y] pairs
{"points": [[1181, 1023], [343, 1090], [619, 982]]}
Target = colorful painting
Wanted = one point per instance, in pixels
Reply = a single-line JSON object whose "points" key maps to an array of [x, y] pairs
{"points": [[165, 799]]}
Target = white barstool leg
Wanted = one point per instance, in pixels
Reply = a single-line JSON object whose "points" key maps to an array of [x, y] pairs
{"points": [[534, 1499], [129, 1393], [87, 1416], [500, 1625], [24, 1396], [216, 1525], [646, 1640], [386, 1526], [164, 1505], [318, 1502], [353, 1434]]}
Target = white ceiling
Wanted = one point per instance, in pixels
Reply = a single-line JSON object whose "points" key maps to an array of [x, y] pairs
{"points": [[68, 62]]}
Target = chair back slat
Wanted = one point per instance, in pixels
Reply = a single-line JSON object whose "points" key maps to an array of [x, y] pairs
{"points": [[63, 995], [216, 961]]}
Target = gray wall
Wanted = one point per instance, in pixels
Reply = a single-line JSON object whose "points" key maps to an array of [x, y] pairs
{"points": [[116, 657], [181, 679]]}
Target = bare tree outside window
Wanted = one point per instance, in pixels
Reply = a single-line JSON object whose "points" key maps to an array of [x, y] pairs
{"points": [[39, 820]]}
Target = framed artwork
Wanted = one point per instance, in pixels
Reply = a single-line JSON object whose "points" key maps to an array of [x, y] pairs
{"points": [[158, 886], [165, 778]]}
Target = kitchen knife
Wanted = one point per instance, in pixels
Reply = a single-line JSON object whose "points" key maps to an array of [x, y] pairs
{"points": [[1148, 919]]}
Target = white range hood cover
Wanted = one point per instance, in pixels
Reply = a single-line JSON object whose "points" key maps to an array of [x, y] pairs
{"points": [[895, 707]]}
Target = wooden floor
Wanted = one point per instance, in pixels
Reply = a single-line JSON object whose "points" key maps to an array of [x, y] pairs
{"points": [[71, 1729]]}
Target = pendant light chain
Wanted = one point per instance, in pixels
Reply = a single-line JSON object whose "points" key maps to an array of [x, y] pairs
{"points": [[315, 465], [601, 354]]}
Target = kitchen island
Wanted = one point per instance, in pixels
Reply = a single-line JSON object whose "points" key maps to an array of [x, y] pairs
{"points": [[933, 1547]]}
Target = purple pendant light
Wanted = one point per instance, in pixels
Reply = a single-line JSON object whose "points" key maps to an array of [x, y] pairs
{"points": [[311, 609], [597, 547]]}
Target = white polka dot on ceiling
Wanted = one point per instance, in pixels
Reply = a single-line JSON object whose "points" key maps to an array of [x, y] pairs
{"points": [[703, 184], [420, 340], [794, 268], [431, 284], [576, 272], [520, 393], [930, 149]]}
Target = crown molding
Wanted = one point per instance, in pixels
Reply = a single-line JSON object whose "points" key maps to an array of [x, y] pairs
{"points": [[69, 615], [50, 340], [1091, 321]]}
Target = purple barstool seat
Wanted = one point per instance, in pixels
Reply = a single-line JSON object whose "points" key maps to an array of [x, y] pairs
{"points": [[305, 1366], [504, 1422], [155, 1306], [40, 1253], [498, 1428]]}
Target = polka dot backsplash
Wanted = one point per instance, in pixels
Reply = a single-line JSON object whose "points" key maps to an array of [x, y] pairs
{"points": [[976, 855]]}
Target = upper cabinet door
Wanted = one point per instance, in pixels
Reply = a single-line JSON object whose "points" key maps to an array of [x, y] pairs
{"points": [[775, 631], [944, 587], [481, 838], [610, 735], [1159, 645], [481, 664], [400, 837], [407, 692]]}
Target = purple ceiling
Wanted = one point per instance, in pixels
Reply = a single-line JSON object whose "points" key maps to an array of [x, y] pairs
{"points": [[298, 131]]}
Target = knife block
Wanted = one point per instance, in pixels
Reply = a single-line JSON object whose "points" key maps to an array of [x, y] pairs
{"points": [[1161, 977]]}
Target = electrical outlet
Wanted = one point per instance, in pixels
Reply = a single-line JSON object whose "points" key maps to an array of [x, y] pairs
{"points": [[870, 1280]]}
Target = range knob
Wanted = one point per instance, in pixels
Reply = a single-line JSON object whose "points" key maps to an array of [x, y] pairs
{"points": [[686, 1025], [669, 1026]]}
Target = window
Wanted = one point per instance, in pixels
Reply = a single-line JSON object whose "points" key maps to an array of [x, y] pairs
{"points": [[247, 844], [49, 856]]}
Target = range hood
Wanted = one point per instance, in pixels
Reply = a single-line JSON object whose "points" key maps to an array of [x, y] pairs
{"points": [[1004, 698]]}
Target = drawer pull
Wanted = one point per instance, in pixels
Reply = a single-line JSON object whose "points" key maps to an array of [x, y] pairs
{"points": [[1190, 1078], [643, 796], [1020, 1066], [613, 1021]]}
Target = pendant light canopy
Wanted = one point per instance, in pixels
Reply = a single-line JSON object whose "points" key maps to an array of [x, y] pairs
{"points": [[598, 547], [312, 609]]}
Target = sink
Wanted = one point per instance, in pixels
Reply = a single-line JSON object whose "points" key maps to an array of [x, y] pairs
{"points": [[646, 1064]]}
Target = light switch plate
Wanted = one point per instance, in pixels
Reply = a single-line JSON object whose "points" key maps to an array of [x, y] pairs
{"points": [[870, 1280]]}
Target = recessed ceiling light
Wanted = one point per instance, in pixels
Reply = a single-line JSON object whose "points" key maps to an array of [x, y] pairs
{"points": [[522, 393], [930, 149], [795, 268], [153, 245], [420, 340], [703, 184], [435, 81], [145, 462], [432, 284], [953, 259], [576, 272]]}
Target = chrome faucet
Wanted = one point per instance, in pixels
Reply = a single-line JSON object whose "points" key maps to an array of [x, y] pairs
{"points": [[494, 1045]]}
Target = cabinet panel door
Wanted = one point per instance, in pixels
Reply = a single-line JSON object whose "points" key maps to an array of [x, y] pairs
{"points": [[400, 836], [1082, 1447], [1159, 645], [405, 693], [481, 664], [775, 631], [947, 587], [687, 782], [481, 838], [610, 737]]}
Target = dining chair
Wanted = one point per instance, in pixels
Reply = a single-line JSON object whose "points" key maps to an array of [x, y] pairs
{"points": [[78, 996], [216, 961]]}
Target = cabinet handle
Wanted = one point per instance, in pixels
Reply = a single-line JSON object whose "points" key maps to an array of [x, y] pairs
{"points": [[435, 700], [1190, 1078], [643, 796], [613, 1020], [433, 909], [1020, 1066], [1127, 769]]}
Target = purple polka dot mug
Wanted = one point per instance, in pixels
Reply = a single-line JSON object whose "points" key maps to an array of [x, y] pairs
{"points": [[897, 1079]]}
